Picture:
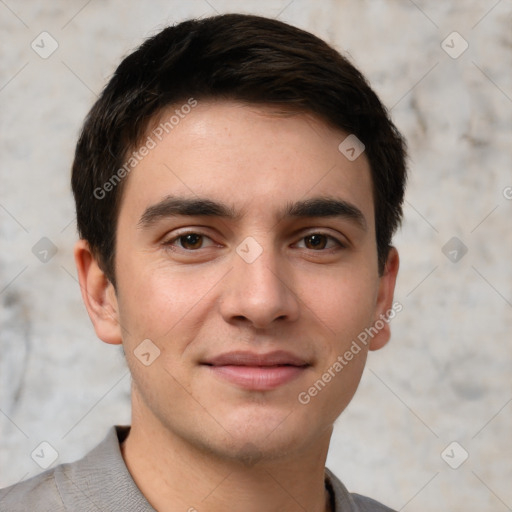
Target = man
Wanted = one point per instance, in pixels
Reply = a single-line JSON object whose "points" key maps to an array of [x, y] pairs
{"points": [[237, 186]]}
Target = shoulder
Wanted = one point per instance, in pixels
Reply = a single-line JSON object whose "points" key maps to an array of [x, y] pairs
{"points": [[365, 504], [98, 481], [350, 502], [38, 493], [67, 485]]}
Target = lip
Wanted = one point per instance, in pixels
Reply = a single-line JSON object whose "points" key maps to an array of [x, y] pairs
{"points": [[258, 372], [245, 358]]}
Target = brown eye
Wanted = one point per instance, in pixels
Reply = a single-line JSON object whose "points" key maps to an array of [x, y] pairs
{"points": [[320, 241], [191, 241], [316, 241]]}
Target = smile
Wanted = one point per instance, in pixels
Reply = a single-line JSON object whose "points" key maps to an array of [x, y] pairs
{"points": [[257, 372]]}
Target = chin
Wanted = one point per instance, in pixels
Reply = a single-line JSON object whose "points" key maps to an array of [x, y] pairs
{"points": [[249, 450], [267, 438]]}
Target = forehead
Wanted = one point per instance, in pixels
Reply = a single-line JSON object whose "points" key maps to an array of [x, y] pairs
{"points": [[247, 156]]}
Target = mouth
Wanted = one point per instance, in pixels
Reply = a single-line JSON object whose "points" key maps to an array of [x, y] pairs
{"points": [[257, 372]]}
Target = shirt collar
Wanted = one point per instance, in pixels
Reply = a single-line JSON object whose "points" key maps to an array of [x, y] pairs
{"points": [[102, 478]]}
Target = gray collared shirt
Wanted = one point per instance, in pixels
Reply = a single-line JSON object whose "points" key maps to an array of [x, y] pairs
{"points": [[100, 482]]}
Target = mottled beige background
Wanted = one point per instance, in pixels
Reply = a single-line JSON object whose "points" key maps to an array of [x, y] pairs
{"points": [[445, 377]]}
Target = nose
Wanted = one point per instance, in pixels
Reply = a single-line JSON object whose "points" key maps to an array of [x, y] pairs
{"points": [[260, 291]]}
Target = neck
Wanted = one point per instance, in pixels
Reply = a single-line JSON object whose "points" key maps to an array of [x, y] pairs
{"points": [[174, 475]]}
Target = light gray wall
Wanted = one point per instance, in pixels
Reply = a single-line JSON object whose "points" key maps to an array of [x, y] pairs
{"points": [[446, 375]]}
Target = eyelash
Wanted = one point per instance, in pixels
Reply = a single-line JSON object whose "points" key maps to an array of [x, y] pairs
{"points": [[170, 243]]}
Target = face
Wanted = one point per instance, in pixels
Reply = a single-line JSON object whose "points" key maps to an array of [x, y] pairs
{"points": [[246, 254]]}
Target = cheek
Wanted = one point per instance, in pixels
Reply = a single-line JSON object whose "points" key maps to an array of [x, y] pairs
{"points": [[346, 307], [341, 387], [343, 305], [159, 302]]}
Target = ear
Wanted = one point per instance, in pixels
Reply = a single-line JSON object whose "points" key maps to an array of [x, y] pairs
{"points": [[385, 300], [98, 294]]}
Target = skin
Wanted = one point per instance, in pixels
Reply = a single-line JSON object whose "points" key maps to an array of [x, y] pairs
{"points": [[198, 440]]}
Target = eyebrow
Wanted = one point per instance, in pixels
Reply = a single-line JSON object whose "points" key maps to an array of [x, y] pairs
{"points": [[172, 206]]}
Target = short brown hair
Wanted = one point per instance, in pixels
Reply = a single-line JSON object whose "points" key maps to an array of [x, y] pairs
{"points": [[233, 57]]}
